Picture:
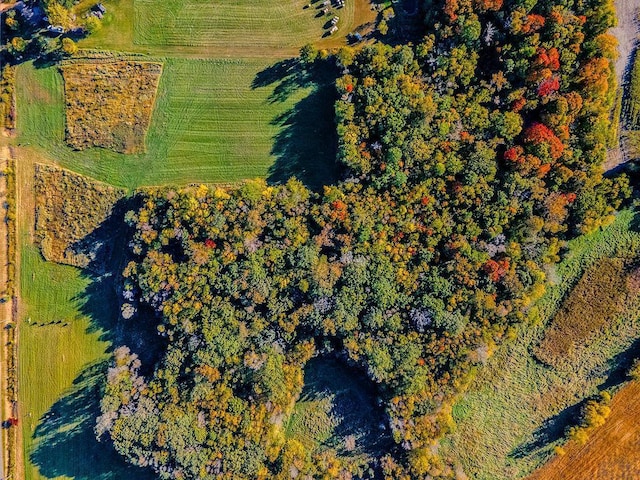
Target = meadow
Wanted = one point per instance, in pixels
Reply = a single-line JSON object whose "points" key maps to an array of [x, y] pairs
{"points": [[109, 105], [601, 294], [516, 410], [215, 121]]}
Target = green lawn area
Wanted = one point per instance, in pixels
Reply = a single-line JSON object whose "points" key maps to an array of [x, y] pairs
{"points": [[63, 349], [234, 24], [210, 125], [117, 25], [516, 409], [56, 347]]}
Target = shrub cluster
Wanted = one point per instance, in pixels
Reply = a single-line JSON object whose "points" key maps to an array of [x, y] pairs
{"points": [[7, 97], [69, 207], [109, 104], [593, 415]]}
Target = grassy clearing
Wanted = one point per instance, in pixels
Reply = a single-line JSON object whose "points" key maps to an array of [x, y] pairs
{"points": [[516, 409], [236, 24], [109, 105], [613, 450], [337, 410], [213, 123]]}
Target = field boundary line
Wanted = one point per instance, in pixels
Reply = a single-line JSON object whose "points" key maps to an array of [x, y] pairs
{"points": [[10, 454]]}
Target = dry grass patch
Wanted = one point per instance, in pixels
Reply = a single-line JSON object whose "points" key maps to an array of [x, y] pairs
{"points": [[613, 450], [69, 208], [110, 104], [600, 295]]}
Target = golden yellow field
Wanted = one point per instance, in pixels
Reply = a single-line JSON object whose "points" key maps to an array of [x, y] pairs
{"points": [[611, 453]]}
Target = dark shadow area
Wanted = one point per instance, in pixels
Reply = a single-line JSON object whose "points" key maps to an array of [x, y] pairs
{"points": [[101, 300], [620, 366], [40, 41], [307, 144], [552, 430], [276, 72], [635, 222], [354, 407], [407, 23], [65, 443]]}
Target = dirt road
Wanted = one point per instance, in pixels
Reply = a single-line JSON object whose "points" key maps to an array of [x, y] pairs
{"points": [[5, 309], [627, 34]]}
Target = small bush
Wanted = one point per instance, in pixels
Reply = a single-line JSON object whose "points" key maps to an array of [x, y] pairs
{"points": [[594, 414]]}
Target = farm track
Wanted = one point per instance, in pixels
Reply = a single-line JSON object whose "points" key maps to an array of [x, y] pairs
{"points": [[5, 315], [11, 460], [626, 32]]}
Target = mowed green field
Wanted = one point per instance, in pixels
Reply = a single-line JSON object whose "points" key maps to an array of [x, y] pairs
{"points": [[62, 358], [516, 410], [55, 348], [230, 25], [210, 125]]}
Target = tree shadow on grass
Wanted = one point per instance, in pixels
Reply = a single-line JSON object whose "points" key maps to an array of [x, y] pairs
{"points": [[100, 300], [307, 144], [353, 407], [64, 440]]}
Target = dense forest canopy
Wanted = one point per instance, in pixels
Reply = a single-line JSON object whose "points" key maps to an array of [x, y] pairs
{"points": [[470, 157]]}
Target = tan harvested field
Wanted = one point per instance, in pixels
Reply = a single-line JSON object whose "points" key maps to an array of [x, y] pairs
{"points": [[110, 104], [613, 450], [600, 295]]}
